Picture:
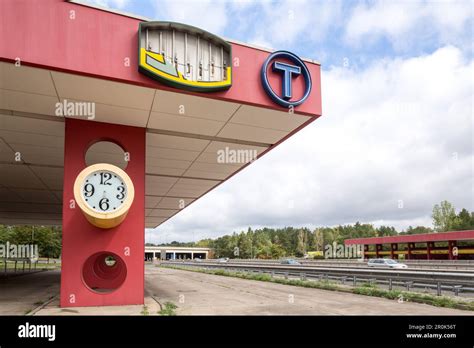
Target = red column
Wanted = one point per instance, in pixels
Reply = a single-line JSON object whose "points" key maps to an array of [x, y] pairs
{"points": [[378, 247], [429, 247], [451, 245], [410, 247], [84, 245], [393, 248]]}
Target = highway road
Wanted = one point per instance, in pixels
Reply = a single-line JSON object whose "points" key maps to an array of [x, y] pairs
{"points": [[204, 294]]}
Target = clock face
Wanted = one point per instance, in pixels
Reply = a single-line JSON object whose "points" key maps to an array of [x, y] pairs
{"points": [[104, 191]]}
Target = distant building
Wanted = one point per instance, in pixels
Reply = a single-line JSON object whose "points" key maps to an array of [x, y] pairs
{"points": [[427, 246], [167, 252]]}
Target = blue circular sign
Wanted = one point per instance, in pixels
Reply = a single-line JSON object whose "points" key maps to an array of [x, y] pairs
{"points": [[288, 72]]}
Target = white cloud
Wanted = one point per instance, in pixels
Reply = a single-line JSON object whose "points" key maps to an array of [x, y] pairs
{"points": [[271, 23], [388, 133], [118, 4], [206, 14], [288, 22], [407, 23]]}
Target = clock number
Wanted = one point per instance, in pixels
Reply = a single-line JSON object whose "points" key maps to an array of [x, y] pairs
{"points": [[104, 202], [104, 177], [89, 190], [121, 194]]}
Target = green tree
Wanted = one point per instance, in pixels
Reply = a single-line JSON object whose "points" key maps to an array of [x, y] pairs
{"points": [[444, 216], [245, 246], [384, 231], [362, 230], [463, 221], [262, 244], [222, 246], [203, 243], [317, 240], [300, 246], [418, 230], [277, 251], [48, 238]]}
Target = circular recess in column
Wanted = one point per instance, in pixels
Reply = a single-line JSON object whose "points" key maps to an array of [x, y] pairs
{"points": [[106, 152]]}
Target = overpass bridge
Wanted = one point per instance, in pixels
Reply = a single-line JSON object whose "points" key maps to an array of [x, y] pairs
{"points": [[167, 252]]}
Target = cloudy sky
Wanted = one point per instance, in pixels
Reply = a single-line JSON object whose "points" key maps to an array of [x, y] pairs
{"points": [[396, 135]]}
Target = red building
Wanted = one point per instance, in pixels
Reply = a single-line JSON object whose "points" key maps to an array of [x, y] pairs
{"points": [[445, 245]]}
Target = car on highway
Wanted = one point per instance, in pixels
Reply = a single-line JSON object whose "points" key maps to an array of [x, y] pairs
{"points": [[223, 259], [290, 262], [386, 263]]}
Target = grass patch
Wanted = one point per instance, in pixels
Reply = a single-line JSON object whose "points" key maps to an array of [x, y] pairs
{"points": [[323, 284], [373, 291], [145, 311], [406, 296], [168, 309], [366, 289], [369, 285]]}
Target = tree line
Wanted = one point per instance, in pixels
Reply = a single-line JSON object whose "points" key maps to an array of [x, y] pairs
{"points": [[270, 243], [48, 238]]}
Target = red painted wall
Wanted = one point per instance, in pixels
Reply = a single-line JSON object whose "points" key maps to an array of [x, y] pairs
{"points": [[82, 240], [95, 43]]}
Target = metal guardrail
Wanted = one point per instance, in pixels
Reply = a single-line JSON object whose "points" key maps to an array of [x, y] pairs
{"points": [[352, 266], [464, 265], [421, 262], [16, 268], [454, 281], [437, 264]]}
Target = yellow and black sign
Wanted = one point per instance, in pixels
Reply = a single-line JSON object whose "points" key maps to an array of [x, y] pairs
{"points": [[184, 57]]}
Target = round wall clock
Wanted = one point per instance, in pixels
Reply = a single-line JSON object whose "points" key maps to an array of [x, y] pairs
{"points": [[104, 193]]}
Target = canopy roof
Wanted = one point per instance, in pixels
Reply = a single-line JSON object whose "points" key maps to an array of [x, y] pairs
{"points": [[74, 63]]}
